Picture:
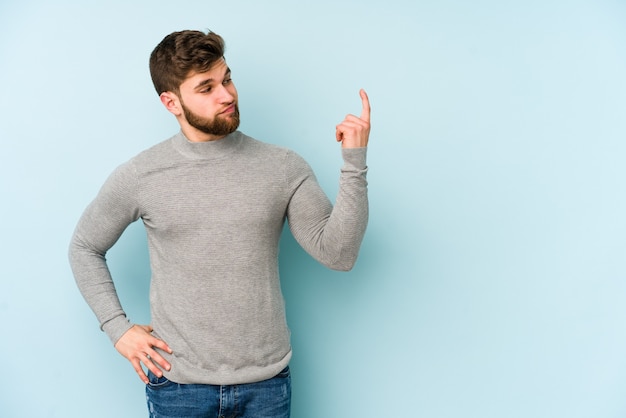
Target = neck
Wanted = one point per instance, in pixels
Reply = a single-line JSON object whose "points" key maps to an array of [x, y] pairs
{"points": [[207, 150], [195, 135]]}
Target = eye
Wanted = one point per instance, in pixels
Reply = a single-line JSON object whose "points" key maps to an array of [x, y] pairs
{"points": [[227, 81]]}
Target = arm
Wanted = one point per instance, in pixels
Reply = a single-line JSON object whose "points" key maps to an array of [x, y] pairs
{"points": [[333, 235], [98, 229]]}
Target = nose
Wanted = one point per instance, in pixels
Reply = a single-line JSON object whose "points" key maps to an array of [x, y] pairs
{"points": [[227, 93]]}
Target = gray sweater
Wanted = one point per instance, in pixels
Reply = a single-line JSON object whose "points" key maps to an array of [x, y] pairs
{"points": [[214, 212]]}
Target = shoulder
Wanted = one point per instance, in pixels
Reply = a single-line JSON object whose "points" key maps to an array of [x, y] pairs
{"points": [[155, 155], [150, 159], [261, 149], [255, 145], [278, 160]]}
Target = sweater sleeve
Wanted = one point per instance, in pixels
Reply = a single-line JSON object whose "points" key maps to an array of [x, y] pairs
{"points": [[330, 234], [100, 226]]}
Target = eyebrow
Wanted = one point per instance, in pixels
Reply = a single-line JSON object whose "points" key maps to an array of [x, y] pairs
{"points": [[209, 81]]}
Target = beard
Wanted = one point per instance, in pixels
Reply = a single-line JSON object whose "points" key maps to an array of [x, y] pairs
{"points": [[218, 126]]}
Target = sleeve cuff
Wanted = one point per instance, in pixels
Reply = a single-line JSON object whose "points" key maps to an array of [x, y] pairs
{"points": [[116, 327], [355, 158]]}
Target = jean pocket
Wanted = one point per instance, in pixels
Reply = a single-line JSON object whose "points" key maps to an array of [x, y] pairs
{"points": [[285, 373], [155, 382]]}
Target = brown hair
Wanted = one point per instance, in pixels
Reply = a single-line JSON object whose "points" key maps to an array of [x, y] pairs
{"points": [[180, 53]]}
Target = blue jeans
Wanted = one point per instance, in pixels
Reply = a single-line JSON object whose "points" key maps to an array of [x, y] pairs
{"points": [[267, 399]]}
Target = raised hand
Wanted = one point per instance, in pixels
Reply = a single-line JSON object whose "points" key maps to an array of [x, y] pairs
{"points": [[137, 345], [354, 132]]}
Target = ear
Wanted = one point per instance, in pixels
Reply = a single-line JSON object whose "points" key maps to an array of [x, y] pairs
{"points": [[171, 103]]}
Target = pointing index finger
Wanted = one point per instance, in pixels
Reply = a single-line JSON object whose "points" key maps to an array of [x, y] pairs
{"points": [[365, 113]]}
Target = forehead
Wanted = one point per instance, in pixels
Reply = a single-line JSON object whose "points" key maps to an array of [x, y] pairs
{"points": [[215, 73]]}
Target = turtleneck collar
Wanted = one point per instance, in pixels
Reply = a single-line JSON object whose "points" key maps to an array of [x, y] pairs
{"points": [[207, 150]]}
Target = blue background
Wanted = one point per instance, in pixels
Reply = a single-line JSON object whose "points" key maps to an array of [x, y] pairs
{"points": [[491, 281]]}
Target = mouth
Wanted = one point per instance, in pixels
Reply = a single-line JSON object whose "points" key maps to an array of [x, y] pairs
{"points": [[229, 110]]}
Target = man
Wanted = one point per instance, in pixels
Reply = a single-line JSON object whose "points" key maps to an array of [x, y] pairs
{"points": [[213, 202]]}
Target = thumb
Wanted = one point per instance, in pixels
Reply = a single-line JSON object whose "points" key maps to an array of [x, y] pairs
{"points": [[147, 328]]}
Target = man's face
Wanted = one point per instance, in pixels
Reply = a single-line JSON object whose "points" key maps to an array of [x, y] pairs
{"points": [[209, 101]]}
